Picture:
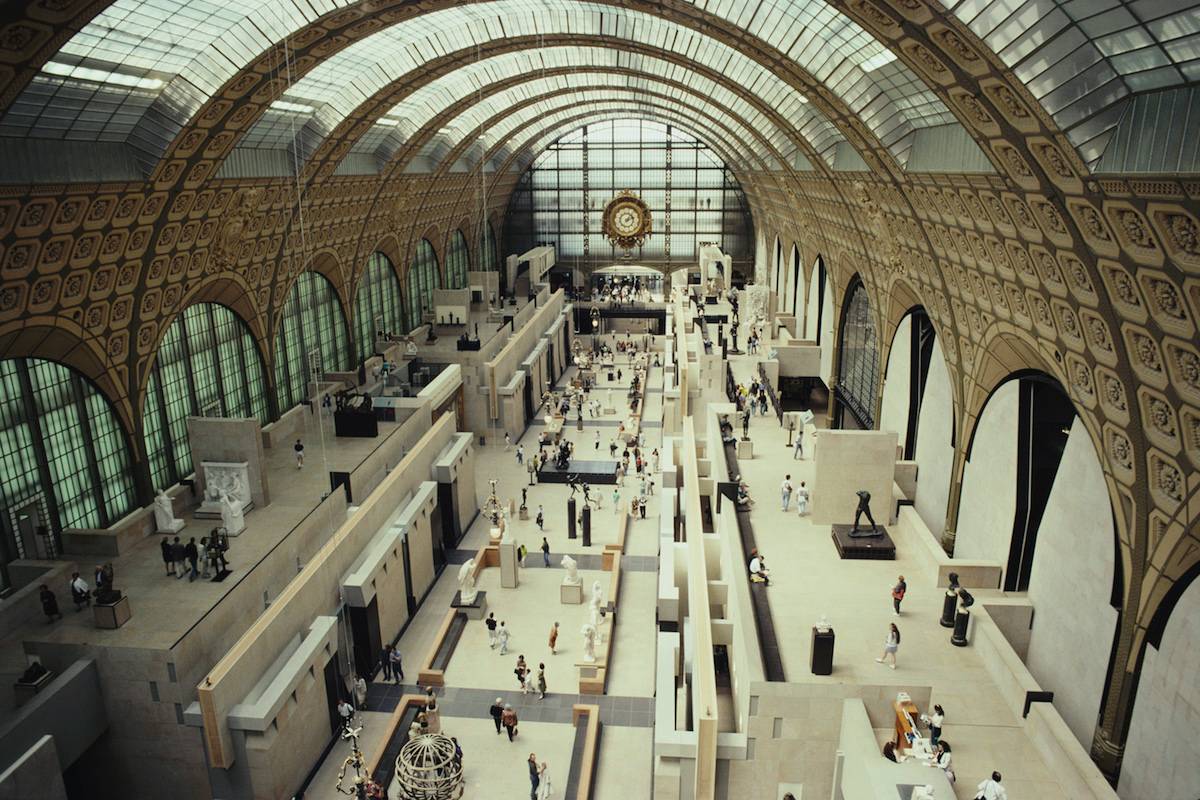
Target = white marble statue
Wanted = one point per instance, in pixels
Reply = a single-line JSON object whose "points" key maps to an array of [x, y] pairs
{"points": [[597, 594], [594, 606], [231, 515], [589, 642], [753, 304], [466, 583], [572, 568], [164, 515], [229, 479]]}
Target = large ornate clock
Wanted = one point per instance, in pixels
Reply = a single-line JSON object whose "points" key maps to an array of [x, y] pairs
{"points": [[626, 220]]}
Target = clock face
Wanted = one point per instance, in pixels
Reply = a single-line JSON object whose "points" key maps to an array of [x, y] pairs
{"points": [[626, 220]]}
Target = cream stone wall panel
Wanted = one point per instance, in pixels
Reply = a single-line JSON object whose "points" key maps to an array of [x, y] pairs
{"points": [[845, 462], [934, 453], [988, 498]]}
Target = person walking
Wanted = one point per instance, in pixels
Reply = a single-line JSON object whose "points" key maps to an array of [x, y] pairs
{"points": [[521, 671], [541, 521], [991, 789], [898, 594], [785, 491], [798, 448], [50, 608], [802, 496], [346, 712], [520, 454], [168, 555], [385, 662], [497, 712], [202, 551], [541, 681], [654, 459], [617, 497], [890, 646], [612, 449], [553, 639], [502, 637], [397, 666], [298, 447], [507, 442], [535, 777], [508, 718], [179, 555], [360, 691], [642, 506], [545, 545], [597, 441], [193, 555], [490, 624]]}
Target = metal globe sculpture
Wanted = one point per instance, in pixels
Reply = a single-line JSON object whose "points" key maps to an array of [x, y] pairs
{"points": [[427, 769]]}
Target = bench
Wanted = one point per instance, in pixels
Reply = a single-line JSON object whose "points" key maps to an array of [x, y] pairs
{"points": [[614, 550], [433, 668], [382, 765], [585, 752]]}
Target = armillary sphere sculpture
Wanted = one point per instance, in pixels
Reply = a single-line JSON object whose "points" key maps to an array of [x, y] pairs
{"points": [[427, 769]]}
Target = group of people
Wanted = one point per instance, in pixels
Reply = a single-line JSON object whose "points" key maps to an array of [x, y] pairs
{"points": [[195, 559], [786, 490], [752, 398]]}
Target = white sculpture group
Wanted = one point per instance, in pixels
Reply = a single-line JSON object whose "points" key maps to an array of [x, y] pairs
{"points": [[226, 494]]}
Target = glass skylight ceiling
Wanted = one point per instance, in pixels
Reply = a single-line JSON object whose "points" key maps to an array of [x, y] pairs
{"points": [[176, 53], [1084, 58]]}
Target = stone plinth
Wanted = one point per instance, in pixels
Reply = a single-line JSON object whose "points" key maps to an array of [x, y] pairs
{"points": [[571, 594], [476, 609], [745, 449], [508, 565], [112, 615]]}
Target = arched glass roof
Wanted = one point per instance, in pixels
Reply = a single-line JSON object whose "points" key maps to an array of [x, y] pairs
{"points": [[1084, 59]]}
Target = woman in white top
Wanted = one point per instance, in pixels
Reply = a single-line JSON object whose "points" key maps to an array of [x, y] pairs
{"points": [[941, 758], [935, 721], [890, 646]]}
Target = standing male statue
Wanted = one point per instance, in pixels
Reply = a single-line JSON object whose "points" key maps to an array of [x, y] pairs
{"points": [[864, 507]]}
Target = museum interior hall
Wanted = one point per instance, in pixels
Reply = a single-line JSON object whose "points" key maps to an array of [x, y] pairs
{"points": [[600, 399]]}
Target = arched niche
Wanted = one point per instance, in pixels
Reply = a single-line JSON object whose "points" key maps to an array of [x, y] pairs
{"points": [[795, 298], [311, 326], [207, 364], [378, 305], [458, 261], [423, 278], [1034, 500], [818, 317], [1162, 752], [917, 403]]}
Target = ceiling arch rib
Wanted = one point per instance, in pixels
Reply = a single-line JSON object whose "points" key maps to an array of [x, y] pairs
{"points": [[855, 67], [742, 140], [332, 90]]}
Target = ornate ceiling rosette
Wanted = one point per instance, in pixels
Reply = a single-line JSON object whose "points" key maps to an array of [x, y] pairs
{"points": [[626, 220]]}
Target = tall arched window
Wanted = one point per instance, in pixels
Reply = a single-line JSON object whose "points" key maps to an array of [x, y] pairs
{"points": [[491, 259], [422, 280], [64, 460], [858, 364], [207, 365], [377, 305], [458, 260], [312, 326]]}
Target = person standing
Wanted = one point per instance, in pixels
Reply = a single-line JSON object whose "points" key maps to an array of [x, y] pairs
{"points": [[617, 497], [898, 594], [891, 646], [535, 777], [545, 544], [490, 624], [553, 639], [785, 491], [385, 662], [991, 789], [179, 554], [168, 555], [497, 712], [508, 718], [299, 448], [521, 671], [193, 556], [798, 449], [597, 441], [50, 608], [360, 691], [202, 552], [612, 449], [654, 458], [547, 790], [642, 506], [507, 442], [541, 521], [346, 712], [397, 666], [80, 592], [935, 721], [802, 499], [541, 681], [520, 454], [502, 637]]}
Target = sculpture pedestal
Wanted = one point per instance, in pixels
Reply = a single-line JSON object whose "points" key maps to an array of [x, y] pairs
{"points": [[494, 536], [745, 448], [508, 565], [524, 513], [961, 620], [571, 518], [476, 609], [112, 615], [175, 527], [571, 594], [587, 526]]}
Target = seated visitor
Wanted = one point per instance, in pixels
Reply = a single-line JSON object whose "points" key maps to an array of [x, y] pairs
{"points": [[743, 495], [758, 570]]}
